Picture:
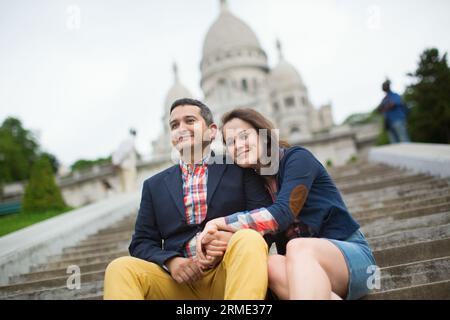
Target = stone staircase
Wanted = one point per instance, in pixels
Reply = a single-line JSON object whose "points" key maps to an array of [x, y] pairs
{"points": [[405, 217]]}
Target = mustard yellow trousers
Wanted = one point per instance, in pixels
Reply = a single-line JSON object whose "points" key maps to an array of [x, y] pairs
{"points": [[242, 274]]}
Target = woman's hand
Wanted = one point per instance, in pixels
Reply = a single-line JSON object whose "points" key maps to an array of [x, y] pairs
{"points": [[208, 232], [216, 244], [212, 242]]}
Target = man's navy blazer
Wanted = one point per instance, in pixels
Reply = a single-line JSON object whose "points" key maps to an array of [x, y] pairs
{"points": [[161, 230]]}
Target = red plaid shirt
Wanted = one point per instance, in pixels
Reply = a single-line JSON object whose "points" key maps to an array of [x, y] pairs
{"points": [[195, 179]]}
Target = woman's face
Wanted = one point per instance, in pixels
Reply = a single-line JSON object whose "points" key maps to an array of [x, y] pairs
{"points": [[242, 143]]}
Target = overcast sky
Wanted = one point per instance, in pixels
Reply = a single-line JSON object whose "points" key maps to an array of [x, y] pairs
{"points": [[80, 73]]}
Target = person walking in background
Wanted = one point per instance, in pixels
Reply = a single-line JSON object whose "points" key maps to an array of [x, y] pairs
{"points": [[125, 159], [395, 113]]}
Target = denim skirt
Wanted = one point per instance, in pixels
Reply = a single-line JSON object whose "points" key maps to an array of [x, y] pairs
{"points": [[360, 263]]}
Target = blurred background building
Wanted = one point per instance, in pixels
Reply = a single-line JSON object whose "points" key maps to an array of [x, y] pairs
{"points": [[235, 74]]}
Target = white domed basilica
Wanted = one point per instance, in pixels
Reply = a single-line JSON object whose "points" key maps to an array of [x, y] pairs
{"points": [[235, 74]]}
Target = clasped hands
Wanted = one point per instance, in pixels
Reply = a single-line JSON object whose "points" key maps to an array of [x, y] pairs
{"points": [[210, 247]]}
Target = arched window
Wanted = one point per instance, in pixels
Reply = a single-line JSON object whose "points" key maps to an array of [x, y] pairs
{"points": [[244, 85], [303, 100], [223, 88], [289, 101], [276, 107], [295, 129]]}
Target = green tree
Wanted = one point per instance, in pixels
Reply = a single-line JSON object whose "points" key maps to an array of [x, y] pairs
{"points": [[19, 150], [53, 161], [41, 193], [363, 118], [83, 164], [429, 99]]}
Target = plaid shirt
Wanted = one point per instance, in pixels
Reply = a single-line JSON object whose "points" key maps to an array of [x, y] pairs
{"points": [[260, 220], [195, 179]]}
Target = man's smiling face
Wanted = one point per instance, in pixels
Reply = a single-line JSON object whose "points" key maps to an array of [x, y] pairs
{"points": [[188, 129]]}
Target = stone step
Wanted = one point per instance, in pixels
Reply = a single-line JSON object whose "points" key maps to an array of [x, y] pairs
{"points": [[386, 173], [59, 282], [404, 205], [391, 177], [87, 253], [79, 261], [425, 194], [107, 238], [92, 297], [55, 273], [388, 224], [355, 169], [426, 250], [385, 201], [394, 190], [121, 229], [404, 214], [380, 184], [100, 243], [92, 288], [98, 247], [430, 291], [408, 237], [415, 273]]}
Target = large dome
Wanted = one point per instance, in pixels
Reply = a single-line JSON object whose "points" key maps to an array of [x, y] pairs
{"points": [[227, 33]]}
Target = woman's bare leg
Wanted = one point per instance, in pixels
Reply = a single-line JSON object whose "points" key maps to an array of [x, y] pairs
{"points": [[315, 268], [278, 280]]}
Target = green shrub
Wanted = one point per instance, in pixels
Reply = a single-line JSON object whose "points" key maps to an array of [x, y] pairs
{"points": [[41, 193]]}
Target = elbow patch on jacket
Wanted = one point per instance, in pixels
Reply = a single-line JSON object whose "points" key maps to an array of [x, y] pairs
{"points": [[297, 199]]}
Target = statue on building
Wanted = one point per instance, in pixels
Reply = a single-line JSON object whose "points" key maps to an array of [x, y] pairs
{"points": [[124, 158]]}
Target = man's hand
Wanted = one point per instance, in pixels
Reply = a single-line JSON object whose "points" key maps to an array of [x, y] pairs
{"points": [[184, 270], [214, 245]]}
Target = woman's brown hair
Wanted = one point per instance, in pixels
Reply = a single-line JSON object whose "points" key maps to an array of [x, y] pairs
{"points": [[257, 121]]}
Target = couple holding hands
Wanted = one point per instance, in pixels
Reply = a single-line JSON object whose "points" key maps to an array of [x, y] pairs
{"points": [[204, 225]]}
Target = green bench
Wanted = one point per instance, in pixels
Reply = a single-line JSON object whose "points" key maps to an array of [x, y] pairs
{"points": [[9, 207]]}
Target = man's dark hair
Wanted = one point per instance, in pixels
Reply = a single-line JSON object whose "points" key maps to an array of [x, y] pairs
{"points": [[205, 112]]}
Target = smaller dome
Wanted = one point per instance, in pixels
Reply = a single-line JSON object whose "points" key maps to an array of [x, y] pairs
{"points": [[177, 91], [285, 76]]}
